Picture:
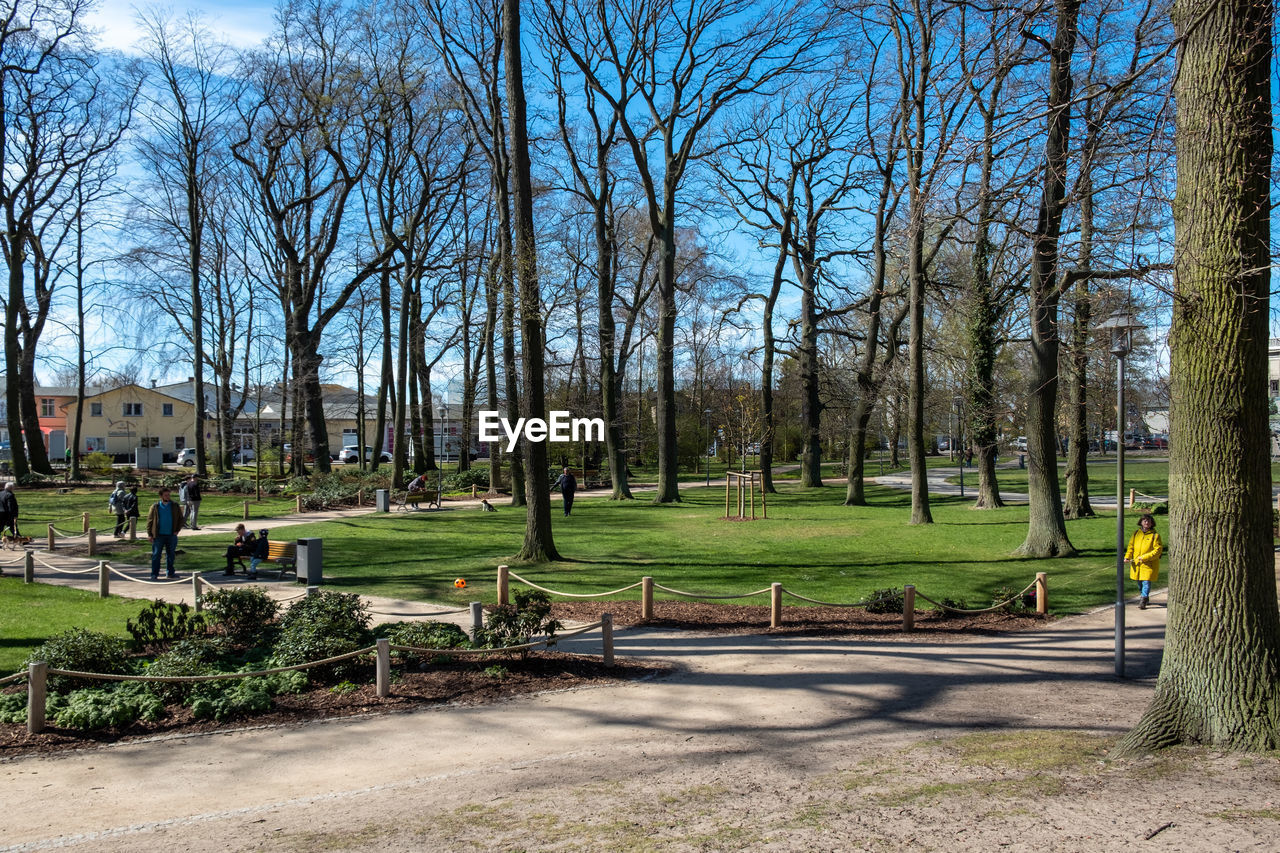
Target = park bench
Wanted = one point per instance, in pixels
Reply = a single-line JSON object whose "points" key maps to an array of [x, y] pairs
{"points": [[414, 500], [283, 554]]}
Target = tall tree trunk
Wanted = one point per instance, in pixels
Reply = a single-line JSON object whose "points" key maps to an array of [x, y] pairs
{"points": [[491, 367], [769, 347], [810, 399], [1219, 680], [538, 541], [610, 381], [80, 357], [509, 366], [668, 449], [388, 376], [1047, 527], [1077, 504]]}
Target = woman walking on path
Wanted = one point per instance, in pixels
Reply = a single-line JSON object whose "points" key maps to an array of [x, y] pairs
{"points": [[1143, 556]]}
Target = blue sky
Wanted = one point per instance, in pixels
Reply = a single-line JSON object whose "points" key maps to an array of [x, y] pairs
{"points": [[240, 22]]}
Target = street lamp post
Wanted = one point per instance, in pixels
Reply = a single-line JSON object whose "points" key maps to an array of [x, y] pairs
{"points": [[1122, 325], [706, 459]]}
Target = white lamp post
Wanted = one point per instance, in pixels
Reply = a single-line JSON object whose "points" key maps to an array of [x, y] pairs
{"points": [[1121, 325]]}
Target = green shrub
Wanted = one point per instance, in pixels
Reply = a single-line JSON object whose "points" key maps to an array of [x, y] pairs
{"points": [[462, 481], [187, 657], [890, 600], [97, 462], [246, 615], [424, 635], [242, 698], [1153, 507], [497, 671], [515, 624], [98, 708], [322, 626], [82, 650], [955, 604], [1012, 599], [160, 623]]}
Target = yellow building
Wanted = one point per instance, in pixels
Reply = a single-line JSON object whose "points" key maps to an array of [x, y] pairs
{"points": [[121, 419]]}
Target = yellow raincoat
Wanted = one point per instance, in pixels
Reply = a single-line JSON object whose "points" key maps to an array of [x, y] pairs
{"points": [[1144, 551]]}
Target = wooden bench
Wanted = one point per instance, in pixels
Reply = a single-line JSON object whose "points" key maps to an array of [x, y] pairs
{"points": [[414, 500], [283, 554]]}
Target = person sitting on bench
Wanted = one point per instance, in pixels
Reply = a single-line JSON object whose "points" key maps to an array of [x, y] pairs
{"points": [[261, 549], [243, 547], [419, 484]]}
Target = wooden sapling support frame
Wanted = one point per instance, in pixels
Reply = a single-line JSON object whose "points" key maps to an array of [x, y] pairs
{"points": [[746, 482]]}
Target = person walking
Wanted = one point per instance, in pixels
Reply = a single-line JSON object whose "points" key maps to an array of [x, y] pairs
{"points": [[9, 509], [1143, 557], [164, 520], [131, 506], [116, 503], [192, 513], [567, 484]]}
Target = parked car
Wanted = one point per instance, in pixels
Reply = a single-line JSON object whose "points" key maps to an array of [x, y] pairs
{"points": [[187, 457], [1020, 443], [287, 448], [243, 456], [350, 454]]}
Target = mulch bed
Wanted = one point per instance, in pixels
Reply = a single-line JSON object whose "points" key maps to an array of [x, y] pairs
{"points": [[807, 621], [456, 682]]}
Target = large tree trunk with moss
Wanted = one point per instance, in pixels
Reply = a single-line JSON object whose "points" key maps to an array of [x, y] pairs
{"points": [[538, 542], [1047, 527], [1219, 680], [1077, 504]]}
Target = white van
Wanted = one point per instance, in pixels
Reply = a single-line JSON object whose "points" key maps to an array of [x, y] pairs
{"points": [[1020, 443]]}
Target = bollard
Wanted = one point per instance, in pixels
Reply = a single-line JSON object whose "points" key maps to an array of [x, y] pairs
{"points": [[246, 510], [93, 541], [1042, 593], [384, 668], [503, 583], [775, 606], [359, 497], [909, 607], [1133, 497], [477, 619], [133, 528], [37, 674], [313, 590], [298, 502], [195, 589], [85, 518], [51, 537], [104, 580], [475, 491], [646, 599], [29, 568], [606, 637]]}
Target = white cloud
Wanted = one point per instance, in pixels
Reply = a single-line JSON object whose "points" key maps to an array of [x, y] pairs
{"points": [[241, 23]]}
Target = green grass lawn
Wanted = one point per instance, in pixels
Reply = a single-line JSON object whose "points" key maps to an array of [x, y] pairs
{"points": [[810, 543], [1149, 476], [40, 507], [31, 613]]}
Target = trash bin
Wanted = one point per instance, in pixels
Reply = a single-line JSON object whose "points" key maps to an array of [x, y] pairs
{"points": [[382, 500], [311, 561]]}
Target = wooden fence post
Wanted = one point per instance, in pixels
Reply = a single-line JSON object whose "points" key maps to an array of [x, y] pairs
{"points": [[246, 510], [133, 528], [1133, 497], [606, 637], [1042, 593], [29, 568], [646, 599], [477, 619], [195, 589], [298, 503], [85, 519], [93, 541], [52, 537], [37, 674], [909, 607], [313, 590], [504, 584], [775, 606], [104, 580], [359, 497], [384, 668]]}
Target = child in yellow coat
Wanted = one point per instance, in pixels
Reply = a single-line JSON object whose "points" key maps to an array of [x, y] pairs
{"points": [[1143, 556]]}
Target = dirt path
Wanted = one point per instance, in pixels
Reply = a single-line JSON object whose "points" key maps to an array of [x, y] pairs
{"points": [[756, 743]]}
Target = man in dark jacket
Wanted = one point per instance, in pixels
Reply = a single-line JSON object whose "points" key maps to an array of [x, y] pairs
{"points": [[193, 503], [567, 484], [244, 546], [9, 509]]}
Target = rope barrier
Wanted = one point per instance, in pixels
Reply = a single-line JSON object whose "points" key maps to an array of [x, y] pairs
{"points": [[17, 676], [14, 561], [433, 613], [221, 676], [572, 594], [786, 591], [121, 574], [999, 606], [54, 568], [291, 598], [65, 535], [710, 597], [1156, 498]]}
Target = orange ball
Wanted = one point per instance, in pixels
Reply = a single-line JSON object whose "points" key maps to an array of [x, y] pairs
{"points": [[460, 583]]}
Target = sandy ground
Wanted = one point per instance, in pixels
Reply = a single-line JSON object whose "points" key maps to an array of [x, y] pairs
{"points": [[783, 743]]}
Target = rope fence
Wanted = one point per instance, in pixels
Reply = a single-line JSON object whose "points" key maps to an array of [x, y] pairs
{"points": [[37, 673], [776, 591]]}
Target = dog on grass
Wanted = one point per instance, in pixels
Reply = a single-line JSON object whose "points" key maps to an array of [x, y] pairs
{"points": [[485, 506]]}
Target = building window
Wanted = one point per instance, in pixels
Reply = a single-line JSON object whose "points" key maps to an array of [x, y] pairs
{"points": [[133, 410], [4, 409], [149, 441], [46, 407], [166, 409], [95, 410], [1275, 387], [179, 442]]}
